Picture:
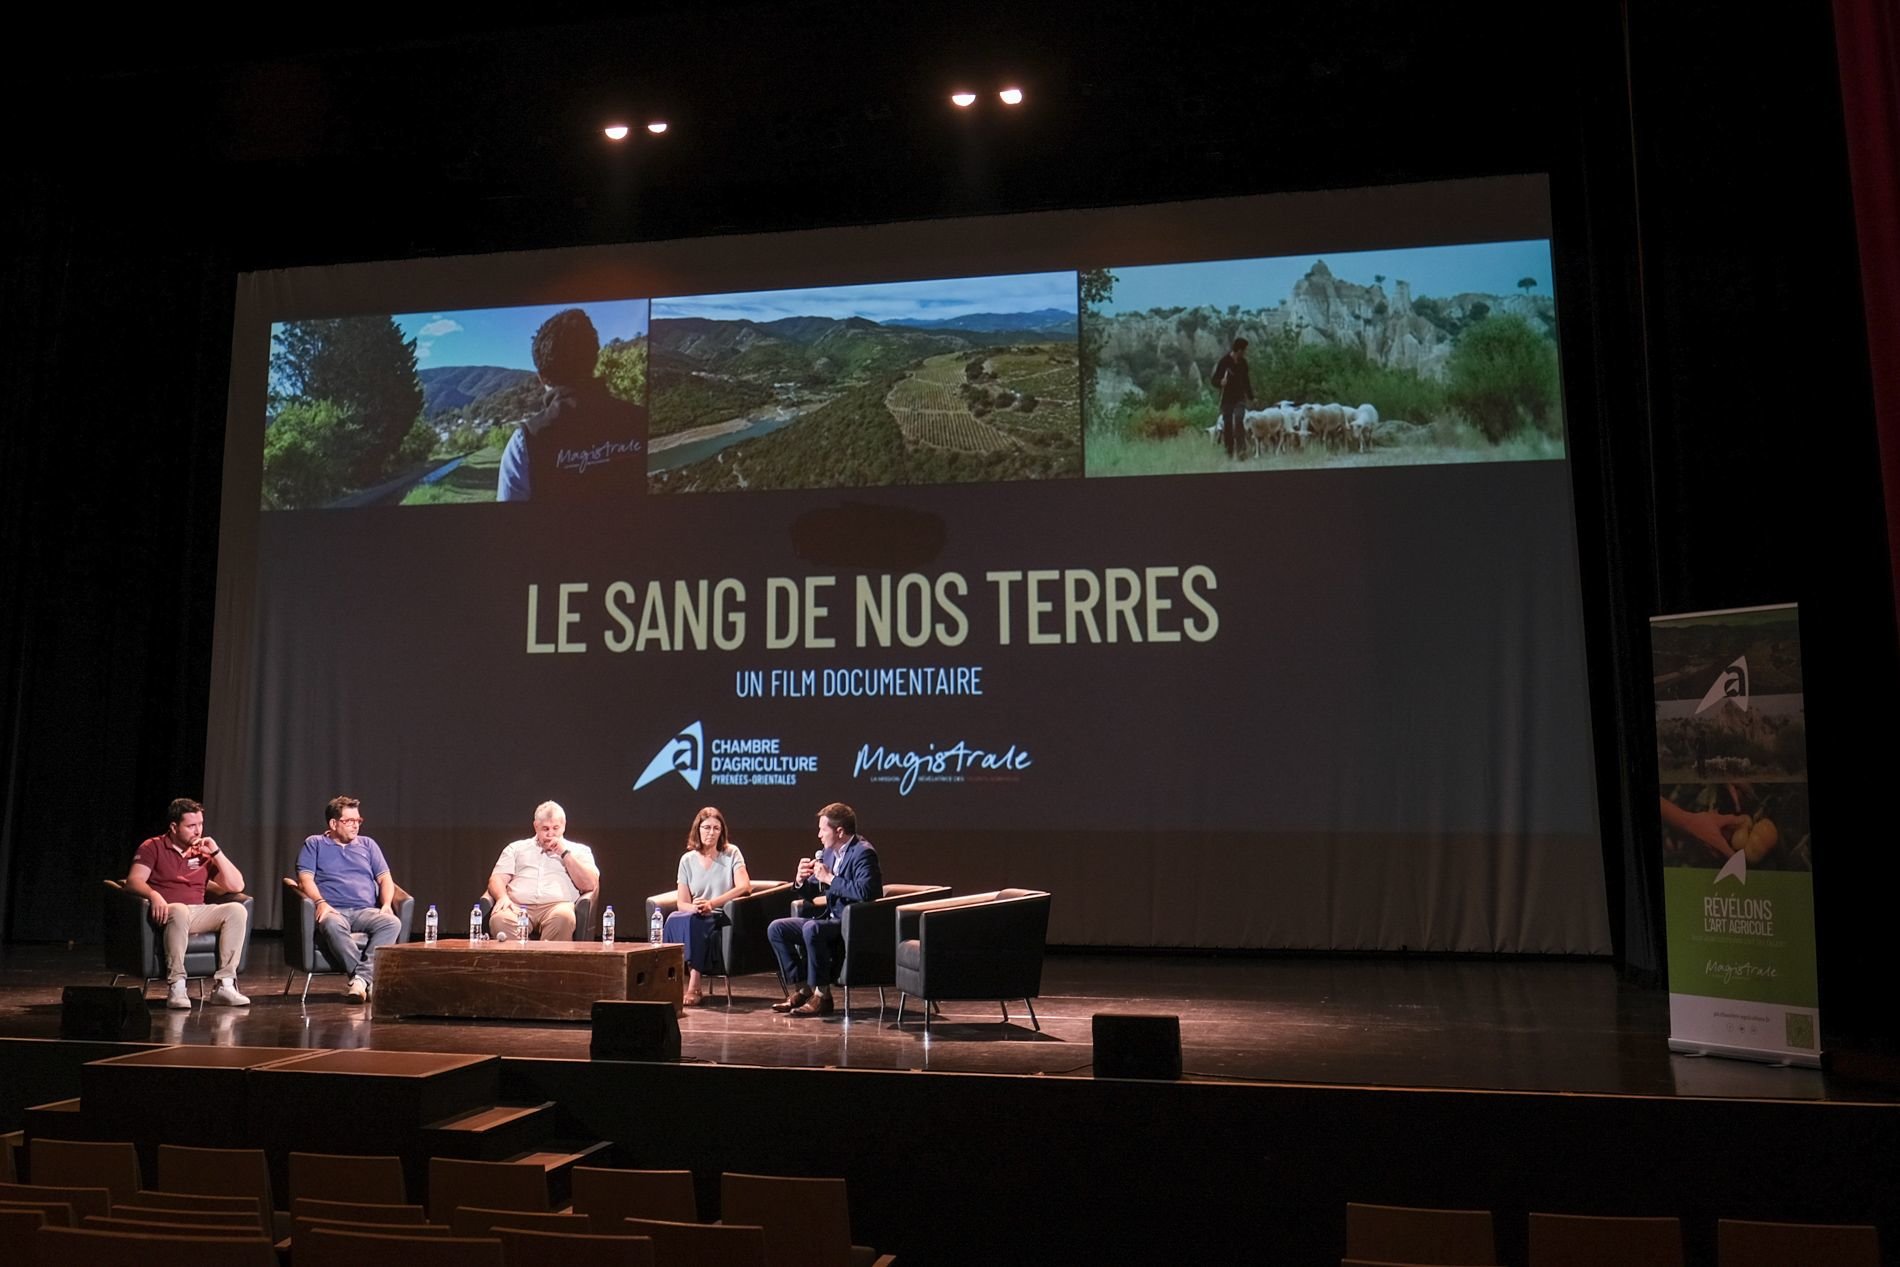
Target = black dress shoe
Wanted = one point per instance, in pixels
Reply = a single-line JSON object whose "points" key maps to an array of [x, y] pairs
{"points": [[818, 1005]]}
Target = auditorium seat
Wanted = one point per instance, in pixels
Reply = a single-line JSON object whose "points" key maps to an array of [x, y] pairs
{"points": [[1746, 1243], [216, 1172], [702, 1244], [304, 953], [20, 1214], [133, 946], [739, 948], [607, 1196], [153, 1198], [522, 1248], [807, 1222], [83, 1201], [870, 937], [149, 1227], [1408, 1234], [302, 1224], [985, 946], [471, 1220], [87, 1164], [10, 1144], [189, 1218], [94, 1248], [18, 1228], [338, 1177], [496, 1185], [1581, 1240], [345, 1247], [356, 1211]]}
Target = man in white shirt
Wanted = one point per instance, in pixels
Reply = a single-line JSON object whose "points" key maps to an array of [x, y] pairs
{"points": [[543, 875]]}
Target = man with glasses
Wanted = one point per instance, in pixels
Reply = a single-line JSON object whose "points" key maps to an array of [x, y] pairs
{"points": [[343, 872]]}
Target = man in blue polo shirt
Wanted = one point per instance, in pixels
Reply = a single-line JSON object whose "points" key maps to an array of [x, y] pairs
{"points": [[343, 872]]}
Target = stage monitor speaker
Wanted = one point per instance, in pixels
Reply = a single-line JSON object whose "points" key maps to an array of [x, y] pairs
{"points": [[629, 1029], [107, 1013], [1131, 1046]]}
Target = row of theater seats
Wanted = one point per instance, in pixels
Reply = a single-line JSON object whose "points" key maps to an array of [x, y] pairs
{"points": [[87, 1204], [1403, 1236]]}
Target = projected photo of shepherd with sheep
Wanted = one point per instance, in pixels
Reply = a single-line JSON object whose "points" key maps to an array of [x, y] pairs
{"points": [[1369, 358]]}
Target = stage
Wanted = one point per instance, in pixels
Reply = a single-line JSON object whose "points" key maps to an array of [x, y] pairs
{"points": [[1535, 1025], [1310, 1081]]}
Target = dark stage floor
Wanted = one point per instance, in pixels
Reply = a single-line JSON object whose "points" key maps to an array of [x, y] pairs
{"points": [[1517, 1025]]}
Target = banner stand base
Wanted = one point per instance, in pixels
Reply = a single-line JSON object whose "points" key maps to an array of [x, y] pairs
{"points": [[1793, 1060]]}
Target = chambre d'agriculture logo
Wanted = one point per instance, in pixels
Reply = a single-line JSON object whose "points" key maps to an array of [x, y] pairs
{"points": [[760, 761]]}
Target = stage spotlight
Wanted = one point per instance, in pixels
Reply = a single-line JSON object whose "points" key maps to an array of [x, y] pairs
{"points": [[656, 127], [1011, 96], [963, 100], [616, 131]]}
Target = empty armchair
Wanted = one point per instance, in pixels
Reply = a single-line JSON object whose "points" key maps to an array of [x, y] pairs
{"points": [[304, 953], [739, 947], [870, 937], [135, 948], [985, 946]]}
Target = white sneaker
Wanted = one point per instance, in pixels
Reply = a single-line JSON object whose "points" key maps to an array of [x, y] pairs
{"points": [[227, 994], [359, 989], [178, 997]]}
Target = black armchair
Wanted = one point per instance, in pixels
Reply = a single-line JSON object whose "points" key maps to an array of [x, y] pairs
{"points": [[583, 916], [304, 953], [740, 946], [870, 936], [985, 946], [135, 948]]}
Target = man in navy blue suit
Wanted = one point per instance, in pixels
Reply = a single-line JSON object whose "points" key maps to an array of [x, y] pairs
{"points": [[810, 950]]}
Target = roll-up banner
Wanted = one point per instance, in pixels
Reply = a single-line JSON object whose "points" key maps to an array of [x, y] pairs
{"points": [[1738, 862]]}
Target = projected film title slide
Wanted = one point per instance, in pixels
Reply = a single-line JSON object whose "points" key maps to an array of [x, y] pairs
{"points": [[1440, 354]]}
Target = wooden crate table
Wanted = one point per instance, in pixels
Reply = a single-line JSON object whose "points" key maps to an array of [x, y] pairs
{"points": [[524, 981]]}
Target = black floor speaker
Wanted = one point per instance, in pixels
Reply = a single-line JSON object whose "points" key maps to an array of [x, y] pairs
{"points": [[1131, 1046], [108, 1013], [635, 1030]]}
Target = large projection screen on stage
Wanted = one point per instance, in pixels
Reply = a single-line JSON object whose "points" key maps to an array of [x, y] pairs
{"points": [[935, 519]]}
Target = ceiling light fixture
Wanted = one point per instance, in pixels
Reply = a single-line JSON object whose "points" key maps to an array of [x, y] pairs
{"points": [[963, 100], [1011, 96], [616, 131], [656, 127]]}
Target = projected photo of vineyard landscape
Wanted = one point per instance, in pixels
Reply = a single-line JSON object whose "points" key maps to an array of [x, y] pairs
{"points": [[424, 409], [1373, 358], [929, 382]]}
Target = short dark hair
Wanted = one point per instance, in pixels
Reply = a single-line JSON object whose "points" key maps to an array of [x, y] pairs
{"points": [[842, 817], [566, 348], [176, 811], [334, 810], [1240, 345]]}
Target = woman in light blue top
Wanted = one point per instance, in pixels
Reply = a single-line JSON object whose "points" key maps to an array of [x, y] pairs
{"points": [[711, 873]]}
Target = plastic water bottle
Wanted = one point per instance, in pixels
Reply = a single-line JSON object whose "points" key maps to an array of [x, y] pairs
{"points": [[429, 924], [521, 928], [656, 927], [475, 922], [607, 927]]}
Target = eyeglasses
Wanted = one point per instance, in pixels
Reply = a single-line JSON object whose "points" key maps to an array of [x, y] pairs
{"points": [[351, 822]]}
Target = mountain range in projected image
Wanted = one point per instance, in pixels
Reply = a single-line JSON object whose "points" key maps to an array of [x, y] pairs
{"points": [[913, 383]]}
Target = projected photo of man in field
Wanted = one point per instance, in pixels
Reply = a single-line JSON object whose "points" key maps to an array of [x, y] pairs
{"points": [[932, 382], [423, 409], [1371, 358]]}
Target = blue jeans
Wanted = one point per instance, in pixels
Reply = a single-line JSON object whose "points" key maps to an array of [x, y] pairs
{"points": [[808, 949], [334, 935]]}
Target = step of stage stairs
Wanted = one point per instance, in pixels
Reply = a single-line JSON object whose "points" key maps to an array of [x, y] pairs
{"points": [[494, 1132]]}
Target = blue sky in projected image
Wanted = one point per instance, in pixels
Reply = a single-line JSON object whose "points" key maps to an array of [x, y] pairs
{"points": [[889, 301], [1439, 271], [503, 336]]}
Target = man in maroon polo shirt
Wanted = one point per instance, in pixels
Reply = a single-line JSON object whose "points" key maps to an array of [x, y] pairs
{"points": [[170, 872]]}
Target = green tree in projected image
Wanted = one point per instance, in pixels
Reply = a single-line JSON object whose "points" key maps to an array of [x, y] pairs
{"points": [[349, 402]]}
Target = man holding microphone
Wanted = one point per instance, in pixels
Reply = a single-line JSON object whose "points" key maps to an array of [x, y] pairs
{"points": [[810, 950]]}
